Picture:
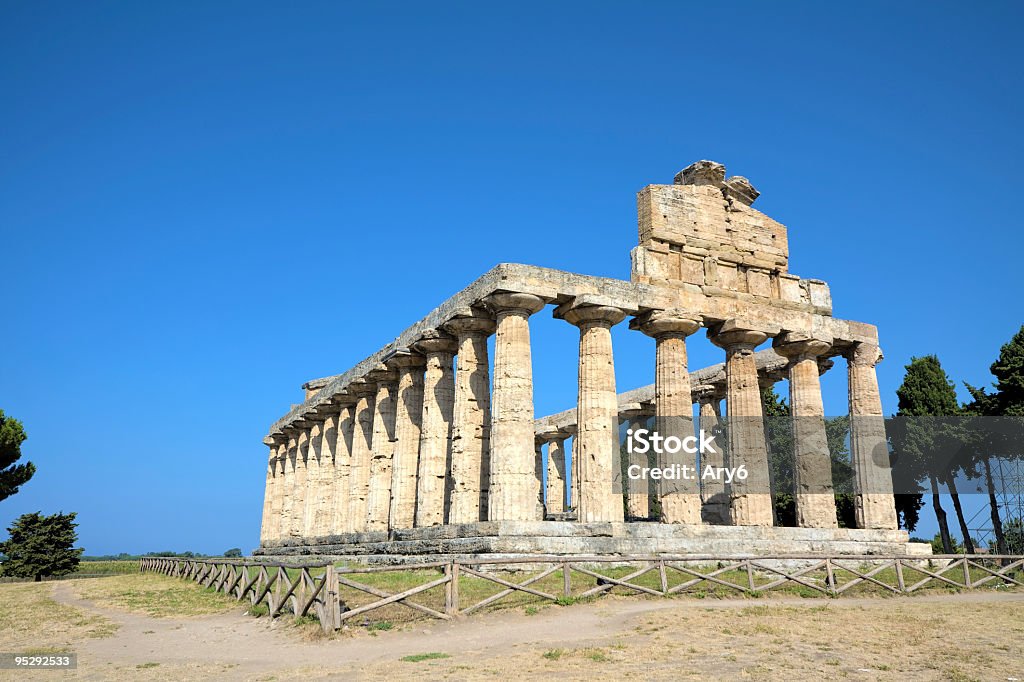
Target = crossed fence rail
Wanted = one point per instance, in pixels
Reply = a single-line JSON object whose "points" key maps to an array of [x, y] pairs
{"points": [[315, 589]]}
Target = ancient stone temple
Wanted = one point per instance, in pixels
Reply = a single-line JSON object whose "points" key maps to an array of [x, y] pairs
{"points": [[431, 447]]}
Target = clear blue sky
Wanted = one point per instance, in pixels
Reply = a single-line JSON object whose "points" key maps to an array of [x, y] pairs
{"points": [[203, 205]]}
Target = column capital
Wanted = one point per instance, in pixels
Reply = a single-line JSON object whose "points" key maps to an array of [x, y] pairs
{"points": [[735, 335], [659, 323], [799, 346], [405, 360], [361, 388], [582, 313], [469, 326], [344, 398], [510, 301], [382, 374], [436, 342], [864, 354], [707, 393]]}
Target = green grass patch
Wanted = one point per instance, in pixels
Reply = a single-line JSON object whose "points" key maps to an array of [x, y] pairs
{"points": [[416, 658]]}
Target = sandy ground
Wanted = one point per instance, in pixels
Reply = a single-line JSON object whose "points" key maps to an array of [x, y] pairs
{"points": [[972, 636]]}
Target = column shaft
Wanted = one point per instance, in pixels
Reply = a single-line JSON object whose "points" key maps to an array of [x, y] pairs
{"points": [[311, 492], [280, 490], [555, 495], [340, 520], [362, 451], [408, 416], [750, 499], [378, 498], [638, 497], [812, 463], [268, 496], [323, 512], [597, 417], [471, 422], [298, 509], [435, 429], [714, 497], [875, 505], [512, 495]]}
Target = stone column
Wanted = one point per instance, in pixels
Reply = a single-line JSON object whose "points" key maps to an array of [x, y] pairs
{"points": [[268, 495], [555, 498], [342, 469], [288, 481], [750, 500], [435, 427], [312, 489], [638, 497], [538, 474], [512, 495], [597, 420], [280, 488], [408, 416], [323, 512], [471, 421], [298, 487], [673, 405], [812, 464], [362, 450], [714, 496], [378, 498], [872, 473], [573, 468]]}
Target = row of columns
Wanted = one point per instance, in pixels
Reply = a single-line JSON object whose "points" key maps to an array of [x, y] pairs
{"points": [[417, 443]]}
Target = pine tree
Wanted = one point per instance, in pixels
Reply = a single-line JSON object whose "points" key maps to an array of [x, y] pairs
{"points": [[926, 391], [41, 546], [12, 476], [1009, 373]]}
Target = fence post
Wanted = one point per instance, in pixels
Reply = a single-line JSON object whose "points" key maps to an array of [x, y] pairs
{"points": [[750, 575], [451, 588], [332, 600], [663, 576], [830, 577], [566, 580], [899, 576], [967, 574]]}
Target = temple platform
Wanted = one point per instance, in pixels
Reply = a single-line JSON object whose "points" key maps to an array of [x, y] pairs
{"points": [[509, 539]]}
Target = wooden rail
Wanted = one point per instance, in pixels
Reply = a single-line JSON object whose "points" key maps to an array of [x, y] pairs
{"points": [[315, 589]]}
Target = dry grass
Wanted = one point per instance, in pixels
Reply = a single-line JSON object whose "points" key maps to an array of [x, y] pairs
{"points": [[32, 622], [891, 640], [155, 595]]}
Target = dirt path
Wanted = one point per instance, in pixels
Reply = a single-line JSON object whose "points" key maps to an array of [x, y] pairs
{"points": [[234, 646]]}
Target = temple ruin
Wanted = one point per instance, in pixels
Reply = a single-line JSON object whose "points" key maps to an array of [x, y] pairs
{"points": [[430, 447]]}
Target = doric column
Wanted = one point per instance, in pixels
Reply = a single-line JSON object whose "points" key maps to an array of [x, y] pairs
{"points": [[597, 417], [435, 427], [573, 469], [339, 519], [288, 481], [408, 416], [280, 487], [362, 450], [266, 532], [713, 493], [538, 473], [323, 512], [812, 464], [750, 499], [378, 497], [298, 487], [875, 506], [555, 497], [312, 489], [673, 405], [466, 488], [638, 490], [512, 495]]}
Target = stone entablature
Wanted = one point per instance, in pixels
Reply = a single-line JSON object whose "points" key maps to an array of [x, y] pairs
{"points": [[403, 441]]}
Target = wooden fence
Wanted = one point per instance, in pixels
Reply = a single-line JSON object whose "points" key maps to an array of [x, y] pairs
{"points": [[315, 589]]}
